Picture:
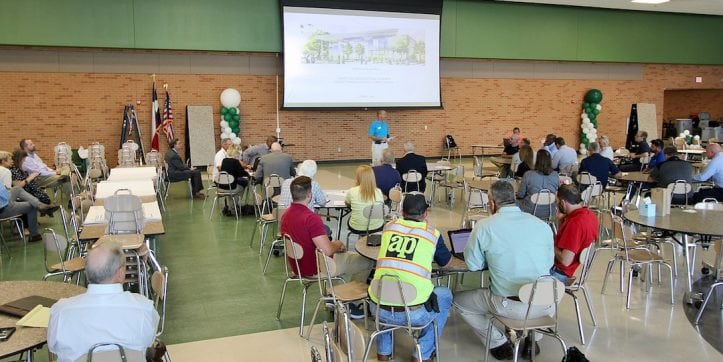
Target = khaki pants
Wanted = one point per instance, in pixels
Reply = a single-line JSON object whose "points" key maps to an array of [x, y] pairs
{"points": [[353, 266]]}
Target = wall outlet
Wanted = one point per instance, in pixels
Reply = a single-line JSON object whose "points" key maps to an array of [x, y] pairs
{"points": [[425, 127], [338, 149]]}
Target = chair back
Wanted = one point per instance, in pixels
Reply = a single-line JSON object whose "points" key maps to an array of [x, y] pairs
{"points": [[226, 183], [591, 191], [478, 199], [154, 159], [544, 291], [680, 187], [124, 212], [374, 211], [119, 355], [569, 169], [709, 204], [544, 197], [391, 290], [159, 286], [585, 264], [412, 176], [272, 182], [476, 166], [585, 178], [56, 246], [351, 338], [295, 252], [262, 206]]}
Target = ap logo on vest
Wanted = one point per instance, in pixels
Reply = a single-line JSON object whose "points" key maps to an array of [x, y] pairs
{"points": [[402, 246]]}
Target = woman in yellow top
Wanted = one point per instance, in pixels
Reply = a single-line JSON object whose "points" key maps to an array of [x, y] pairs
{"points": [[364, 194]]}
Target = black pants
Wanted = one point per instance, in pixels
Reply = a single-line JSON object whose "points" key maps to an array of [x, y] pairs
{"points": [[716, 193]]}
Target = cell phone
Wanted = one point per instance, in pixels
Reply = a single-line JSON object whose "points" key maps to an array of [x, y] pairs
{"points": [[5, 333]]}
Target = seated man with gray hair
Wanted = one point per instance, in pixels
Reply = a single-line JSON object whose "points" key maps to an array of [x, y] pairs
{"points": [[277, 162], [386, 176], [412, 161], [105, 313], [307, 168]]}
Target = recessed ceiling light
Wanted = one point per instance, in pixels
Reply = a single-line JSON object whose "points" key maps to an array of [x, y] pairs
{"points": [[654, 2]]}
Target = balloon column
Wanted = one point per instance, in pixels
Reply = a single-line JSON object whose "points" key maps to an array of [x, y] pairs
{"points": [[230, 127], [590, 110]]}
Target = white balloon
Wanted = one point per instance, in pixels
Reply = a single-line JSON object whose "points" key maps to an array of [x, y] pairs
{"points": [[598, 107], [582, 146], [584, 115], [238, 111], [222, 137], [686, 133], [237, 141], [227, 130], [224, 124], [697, 137], [232, 135], [230, 98]]}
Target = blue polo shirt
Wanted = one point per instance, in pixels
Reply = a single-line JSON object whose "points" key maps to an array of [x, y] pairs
{"points": [[656, 159], [600, 167], [4, 197], [378, 129]]}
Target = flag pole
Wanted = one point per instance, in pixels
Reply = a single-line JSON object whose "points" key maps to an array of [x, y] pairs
{"points": [[278, 126]]}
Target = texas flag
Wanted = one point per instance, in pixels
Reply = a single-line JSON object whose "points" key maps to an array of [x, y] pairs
{"points": [[155, 120]]}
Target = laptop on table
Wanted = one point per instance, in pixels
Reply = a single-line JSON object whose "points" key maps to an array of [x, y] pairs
{"points": [[458, 240]]}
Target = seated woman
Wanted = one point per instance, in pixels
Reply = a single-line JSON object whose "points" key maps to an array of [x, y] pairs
{"points": [[542, 177], [232, 166], [27, 181], [527, 163], [364, 194], [15, 189], [605, 149]]}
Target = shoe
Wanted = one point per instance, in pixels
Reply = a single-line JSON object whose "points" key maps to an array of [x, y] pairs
{"points": [[527, 348], [414, 359], [35, 238], [503, 352], [382, 357], [355, 312], [199, 195]]}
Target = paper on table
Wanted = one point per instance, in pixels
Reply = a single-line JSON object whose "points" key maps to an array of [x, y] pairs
{"points": [[38, 317], [95, 215], [339, 203], [151, 212]]}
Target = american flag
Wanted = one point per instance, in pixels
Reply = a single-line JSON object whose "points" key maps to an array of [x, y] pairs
{"points": [[155, 120], [168, 118]]}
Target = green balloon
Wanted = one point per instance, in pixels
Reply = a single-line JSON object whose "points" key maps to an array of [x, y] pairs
{"points": [[224, 110], [586, 104], [233, 124], [228, 117], [233, 110], [236, 117], [595, 111], [593, 96]]}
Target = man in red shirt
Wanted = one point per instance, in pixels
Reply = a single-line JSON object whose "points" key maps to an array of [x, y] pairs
{"points": [[306, 229], [578, 229]]}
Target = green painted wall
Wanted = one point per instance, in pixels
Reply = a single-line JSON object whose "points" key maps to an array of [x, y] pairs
{"points": [[470, 29]]}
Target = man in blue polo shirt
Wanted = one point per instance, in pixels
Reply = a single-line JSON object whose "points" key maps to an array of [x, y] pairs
{"points": [[598, 165], [379, 133]]}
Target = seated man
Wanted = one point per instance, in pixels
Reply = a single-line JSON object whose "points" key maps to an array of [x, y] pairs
{"points": [[671, 170], [713, 171], [306, 229], [220, 156], [178, 171], [549, 144], [253, 152], [598, 165], [105, 313], [9, 206], [307, 168], [412, 161], [578, 229], [47, 177], [277, 162], [517, 248], [422, 245], [657, 156], [565, 156], [638, 149], [385, 175]]}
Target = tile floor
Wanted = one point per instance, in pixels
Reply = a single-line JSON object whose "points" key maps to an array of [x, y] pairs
{"points": [[221, 308]]}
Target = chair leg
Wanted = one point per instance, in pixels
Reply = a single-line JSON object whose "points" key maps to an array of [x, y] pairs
{"points": [[579, 317], [281, 301], [589, 305], [253, 234], [303, 309], [313, 319], [630, 287], [712, 290], [608, 270], [517, 350], [268, 257], [213, 207]]}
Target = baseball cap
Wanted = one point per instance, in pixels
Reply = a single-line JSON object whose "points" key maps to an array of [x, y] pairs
{"points": [[414, 203]]}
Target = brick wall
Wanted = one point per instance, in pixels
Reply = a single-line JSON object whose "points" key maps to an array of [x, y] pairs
{"points": [[79, 108], [681, 103]]}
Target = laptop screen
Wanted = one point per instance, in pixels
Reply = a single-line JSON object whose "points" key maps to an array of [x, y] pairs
{"points": [[458, 239]]}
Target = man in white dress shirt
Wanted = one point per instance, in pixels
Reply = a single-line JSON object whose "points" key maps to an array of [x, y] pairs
{"points": [[220, 155], [565, 156], [48, 177], [105, 313]]}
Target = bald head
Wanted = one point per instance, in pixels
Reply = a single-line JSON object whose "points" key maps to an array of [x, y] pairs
{"points": [[712, 150], [105, 264], [275, 147]]}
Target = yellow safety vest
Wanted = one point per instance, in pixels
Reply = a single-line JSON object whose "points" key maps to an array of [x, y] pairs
{"points": [[407, 251]]}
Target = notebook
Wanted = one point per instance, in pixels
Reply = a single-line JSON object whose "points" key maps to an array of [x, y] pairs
{"points": [[21, 307], [458, 240]]}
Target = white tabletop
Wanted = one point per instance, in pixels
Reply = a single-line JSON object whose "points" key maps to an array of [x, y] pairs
{"points": [[137, 187], [335, 198], [439, 167], [97, 214]]}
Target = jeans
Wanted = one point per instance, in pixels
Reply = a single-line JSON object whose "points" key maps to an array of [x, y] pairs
{"points": [[418, 317], [559, 275], [15, 208]]}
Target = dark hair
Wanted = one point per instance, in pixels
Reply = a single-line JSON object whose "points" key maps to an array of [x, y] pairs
{"points": [[670, 151], [559, 141], [570, 194], [526, 141], [502, 193], [173, 143], [543, 164], [516, 129], [18, 157], [644, 134], [657, 143], [300, 188], [23, 142]]}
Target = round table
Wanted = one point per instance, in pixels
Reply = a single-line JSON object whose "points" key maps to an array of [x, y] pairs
{"points": [[25, 338], [369, 252], [486, 183], [635, 176]]}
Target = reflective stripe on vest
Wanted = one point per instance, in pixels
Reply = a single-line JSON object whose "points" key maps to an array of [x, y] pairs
{"points": [[410, 267]]}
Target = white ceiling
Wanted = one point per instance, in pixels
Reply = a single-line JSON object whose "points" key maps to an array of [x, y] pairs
{"points": [[708, 7]]}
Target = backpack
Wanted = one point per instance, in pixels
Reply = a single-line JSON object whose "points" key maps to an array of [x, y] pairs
{"points": [[449, 141], [574, 355]]}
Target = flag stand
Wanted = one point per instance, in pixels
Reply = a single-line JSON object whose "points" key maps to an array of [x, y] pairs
{"points": [[129, 128]]}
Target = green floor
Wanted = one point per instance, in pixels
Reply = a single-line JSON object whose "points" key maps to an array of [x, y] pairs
{"points": [[216, 287]]}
